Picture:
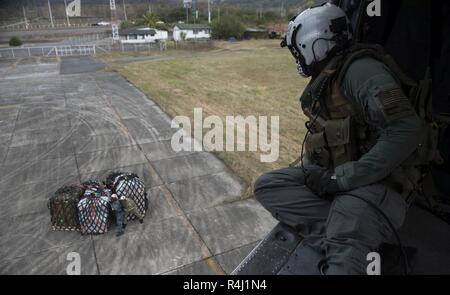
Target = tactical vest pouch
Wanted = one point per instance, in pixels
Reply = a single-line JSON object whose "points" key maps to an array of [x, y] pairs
{"points": [[337, 134], [316, 151], [331, 147]]}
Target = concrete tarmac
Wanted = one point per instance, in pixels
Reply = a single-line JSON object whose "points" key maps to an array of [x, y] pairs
{"points": [[62, 123]]}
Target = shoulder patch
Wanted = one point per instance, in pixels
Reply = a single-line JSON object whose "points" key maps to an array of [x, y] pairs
{"points": [[395, 104]]}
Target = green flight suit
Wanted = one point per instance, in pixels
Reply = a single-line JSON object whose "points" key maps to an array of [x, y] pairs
{"points": [[346, 229], [398, 129]]}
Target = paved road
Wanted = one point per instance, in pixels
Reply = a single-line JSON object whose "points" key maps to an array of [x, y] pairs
{"points": [[68, 122], [49, 34]]}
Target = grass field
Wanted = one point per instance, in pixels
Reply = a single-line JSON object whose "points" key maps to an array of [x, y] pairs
{"points": [[182, 50], [115, 55], [246, 78]]}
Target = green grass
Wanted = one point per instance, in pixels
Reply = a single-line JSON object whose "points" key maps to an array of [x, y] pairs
{"points": [[252, 78]]}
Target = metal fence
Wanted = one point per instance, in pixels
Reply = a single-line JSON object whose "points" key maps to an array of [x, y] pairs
{"points": [[80, 50], [47, 51], [73, 50]]}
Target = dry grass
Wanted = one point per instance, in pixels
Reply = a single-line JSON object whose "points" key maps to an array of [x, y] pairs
{"points": [[248, 45], [118, 55], [250, 78], [111, 56], [214, 46]]}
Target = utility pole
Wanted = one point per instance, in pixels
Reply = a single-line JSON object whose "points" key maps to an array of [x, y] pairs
{"points": [[50, 13], [114, 23], [124, 10], [25, 17], [67, 15], [209, 11], [187, 4], [194, 11]]}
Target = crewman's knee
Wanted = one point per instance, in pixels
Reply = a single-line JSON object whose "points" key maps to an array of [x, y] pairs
{"points": [[269, 185], [262, 182], [280, 178]]}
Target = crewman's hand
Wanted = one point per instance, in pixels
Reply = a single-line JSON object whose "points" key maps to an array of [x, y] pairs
{"points": [[322, 182]]}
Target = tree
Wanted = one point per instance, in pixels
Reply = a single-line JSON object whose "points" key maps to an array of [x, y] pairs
{"points": [[15, 41], [150, 20], [126, 25], [228, 26], [174, 15]]}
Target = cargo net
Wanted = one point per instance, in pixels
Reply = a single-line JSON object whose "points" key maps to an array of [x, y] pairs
{"points": [[130, 186], [94, 212], [92, 185], [63, 208]]}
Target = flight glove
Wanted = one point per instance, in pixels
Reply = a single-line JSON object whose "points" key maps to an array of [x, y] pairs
{"points": [[322, 182]]}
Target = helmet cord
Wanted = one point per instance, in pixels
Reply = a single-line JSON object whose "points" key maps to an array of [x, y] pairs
{"points": [[308, 132]]}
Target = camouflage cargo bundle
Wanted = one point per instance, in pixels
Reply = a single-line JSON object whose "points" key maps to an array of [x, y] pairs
{"points": [[63, 208], [131, 186]]}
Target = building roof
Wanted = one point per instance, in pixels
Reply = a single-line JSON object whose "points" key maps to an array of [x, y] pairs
{"points": [[183, 26], [255, 30], [138, 31]]}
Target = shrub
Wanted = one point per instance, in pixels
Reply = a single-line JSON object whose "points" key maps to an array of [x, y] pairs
{"points": [[183, 36], [126, 24], [15, 41], [227, 27]]}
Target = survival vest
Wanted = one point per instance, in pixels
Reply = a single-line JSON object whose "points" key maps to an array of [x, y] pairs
{"points": [[338, 132]]}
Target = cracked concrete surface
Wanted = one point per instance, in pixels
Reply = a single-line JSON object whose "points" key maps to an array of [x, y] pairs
{"points": [[66, 122]]}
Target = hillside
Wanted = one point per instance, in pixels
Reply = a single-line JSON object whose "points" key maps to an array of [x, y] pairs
{"points": [[99, 9]]}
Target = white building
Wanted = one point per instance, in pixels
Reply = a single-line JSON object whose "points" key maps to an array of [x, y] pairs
{"points": [[191, 31], [142, 35]]}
